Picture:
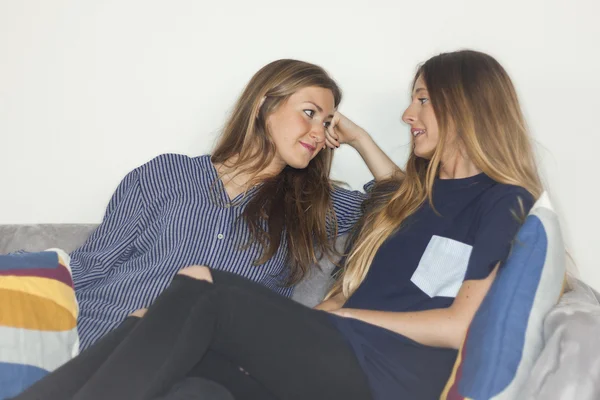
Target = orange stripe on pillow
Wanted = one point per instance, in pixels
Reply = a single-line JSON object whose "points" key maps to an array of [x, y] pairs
{"points": [[451, 390], [49, 289], [452, 379], [27, 311]]}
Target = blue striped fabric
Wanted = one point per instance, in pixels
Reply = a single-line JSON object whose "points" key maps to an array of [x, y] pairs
{"points": [[170, 213]]}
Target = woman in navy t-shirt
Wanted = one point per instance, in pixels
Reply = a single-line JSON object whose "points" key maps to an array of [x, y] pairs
{"points": [[429, 246], [423, 258]]}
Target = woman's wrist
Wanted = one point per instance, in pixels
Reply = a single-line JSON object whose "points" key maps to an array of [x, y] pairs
{"points": [[361, 137]]}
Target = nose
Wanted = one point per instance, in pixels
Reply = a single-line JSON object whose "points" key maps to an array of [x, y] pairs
{"points": [[317, 133], [410, 116]]}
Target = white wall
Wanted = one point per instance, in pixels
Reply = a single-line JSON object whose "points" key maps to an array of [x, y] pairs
{"points": [[91, 89]]}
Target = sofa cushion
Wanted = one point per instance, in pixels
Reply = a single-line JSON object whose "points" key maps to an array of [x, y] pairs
{"points": [[569, 366], [315, 285], [37, 237]]}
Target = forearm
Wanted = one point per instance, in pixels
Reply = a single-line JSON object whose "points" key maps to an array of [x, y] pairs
{"points": [[380, 165], [443, 327], [438, 328]]}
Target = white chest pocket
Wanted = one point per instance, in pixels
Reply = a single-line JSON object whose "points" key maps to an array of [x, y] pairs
{"points": [[442, 267]]}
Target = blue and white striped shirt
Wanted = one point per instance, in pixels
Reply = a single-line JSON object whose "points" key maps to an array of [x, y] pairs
{"points": [[170, 213]]}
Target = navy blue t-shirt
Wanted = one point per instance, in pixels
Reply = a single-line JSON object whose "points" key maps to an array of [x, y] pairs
{"points": [[422, 267]]}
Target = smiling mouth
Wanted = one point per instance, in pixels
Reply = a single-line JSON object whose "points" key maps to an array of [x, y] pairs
{"points": [[417, 132], [308, 146]]}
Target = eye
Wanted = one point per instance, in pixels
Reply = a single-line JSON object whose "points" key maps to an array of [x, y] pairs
{"points": [[327, 124], [310, 113], [423, 100]]}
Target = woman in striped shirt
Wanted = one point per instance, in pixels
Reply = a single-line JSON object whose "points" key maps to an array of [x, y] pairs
{"points": [[261, 205]]}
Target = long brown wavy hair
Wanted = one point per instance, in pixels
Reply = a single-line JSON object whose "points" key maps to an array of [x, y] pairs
{"points": [[472, 93], [296, 203]]}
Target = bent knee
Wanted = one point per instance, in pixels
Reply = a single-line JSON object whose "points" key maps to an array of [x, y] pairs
{"points": [[197, 272]]}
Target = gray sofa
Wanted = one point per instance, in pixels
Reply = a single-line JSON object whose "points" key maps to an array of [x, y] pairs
{"points": [[70, 236], [567, 369]]}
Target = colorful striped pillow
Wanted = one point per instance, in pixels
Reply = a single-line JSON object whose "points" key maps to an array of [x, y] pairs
{"points": [[38, 317], [505, 337]]}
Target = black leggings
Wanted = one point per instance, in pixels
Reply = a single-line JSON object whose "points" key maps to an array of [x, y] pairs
{"points": [[287, 350]]}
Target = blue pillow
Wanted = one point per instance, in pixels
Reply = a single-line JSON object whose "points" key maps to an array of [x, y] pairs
{"points": [[505, 337]]}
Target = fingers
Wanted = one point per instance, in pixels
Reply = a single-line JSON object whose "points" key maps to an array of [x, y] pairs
{"points": [[336, 118], [332, 133], [331, 138]]}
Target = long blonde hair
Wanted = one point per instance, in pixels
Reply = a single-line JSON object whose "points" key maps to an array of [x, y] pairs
{"points": [[473, 94], [296, 203]]}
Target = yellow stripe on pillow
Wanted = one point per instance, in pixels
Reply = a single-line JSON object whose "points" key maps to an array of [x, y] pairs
{"points": [[27, 311], [49, 289]]}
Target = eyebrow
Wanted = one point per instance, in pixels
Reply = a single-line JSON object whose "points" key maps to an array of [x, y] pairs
{"points": [[319, 108], [420, 90]]}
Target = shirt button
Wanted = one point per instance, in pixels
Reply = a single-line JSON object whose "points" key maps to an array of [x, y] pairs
{"points": [[227, 205], [220, 236]]}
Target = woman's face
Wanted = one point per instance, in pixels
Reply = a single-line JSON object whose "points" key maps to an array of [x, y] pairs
{"points": [[421, 118], [298, 126]]}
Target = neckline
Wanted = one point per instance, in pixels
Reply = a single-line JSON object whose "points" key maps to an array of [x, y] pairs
{"points": [[217, 188], [462, 182]]}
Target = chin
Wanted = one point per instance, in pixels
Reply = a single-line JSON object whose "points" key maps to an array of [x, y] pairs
{"points": [[297, 162], [298, 165], [428, 155]]}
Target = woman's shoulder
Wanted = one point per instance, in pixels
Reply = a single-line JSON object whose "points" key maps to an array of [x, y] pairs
{"points": [[342, 194], [501, 195], [174, 161], [174, 169]]}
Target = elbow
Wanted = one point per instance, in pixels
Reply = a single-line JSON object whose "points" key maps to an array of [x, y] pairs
{"points": [[458, 336]]}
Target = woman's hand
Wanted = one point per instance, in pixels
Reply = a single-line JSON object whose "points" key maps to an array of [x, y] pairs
{"points": [[342, 130], [139, 313], [342, 312], [333, 304]]}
